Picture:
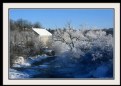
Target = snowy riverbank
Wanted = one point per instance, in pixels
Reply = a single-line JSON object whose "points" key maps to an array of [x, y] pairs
{"points": [[59, 67]]}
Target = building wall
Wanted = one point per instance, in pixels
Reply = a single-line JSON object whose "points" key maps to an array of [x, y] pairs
{"points": [[45, 39]]}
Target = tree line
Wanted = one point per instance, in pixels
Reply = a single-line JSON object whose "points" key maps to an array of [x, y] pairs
{"points": [[22, 24]]}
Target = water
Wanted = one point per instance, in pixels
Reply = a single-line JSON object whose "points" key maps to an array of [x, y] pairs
{"points": [[55, 67]]}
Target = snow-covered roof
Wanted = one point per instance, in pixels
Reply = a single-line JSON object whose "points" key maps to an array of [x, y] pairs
{"points": [[42, 32]]}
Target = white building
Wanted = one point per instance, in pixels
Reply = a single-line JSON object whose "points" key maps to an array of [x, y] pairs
{"points": [[43, 35]]}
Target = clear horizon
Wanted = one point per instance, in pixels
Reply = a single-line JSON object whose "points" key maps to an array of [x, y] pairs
{"points": [[58, 18]]}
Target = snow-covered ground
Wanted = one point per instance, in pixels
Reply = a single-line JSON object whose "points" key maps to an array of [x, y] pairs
{"points": [[30, 60], [26, 69], [14, 74]]}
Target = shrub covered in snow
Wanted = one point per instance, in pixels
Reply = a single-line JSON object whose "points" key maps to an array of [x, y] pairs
{"points": [[79, 43]]}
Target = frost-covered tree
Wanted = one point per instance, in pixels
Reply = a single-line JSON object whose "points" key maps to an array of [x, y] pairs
{"points": [[37, 25], [80, 42], [68, 36], [103, 48], [23, 41]]}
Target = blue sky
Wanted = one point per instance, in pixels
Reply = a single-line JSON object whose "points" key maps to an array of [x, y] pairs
{"points": [[53, 18]]}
